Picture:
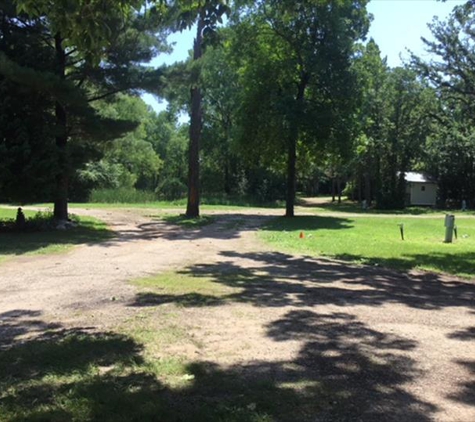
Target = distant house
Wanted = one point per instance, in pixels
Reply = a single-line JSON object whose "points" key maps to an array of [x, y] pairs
{"points": [[421, 189]]}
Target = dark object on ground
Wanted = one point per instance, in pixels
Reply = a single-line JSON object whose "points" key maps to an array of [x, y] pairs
{"points": [[20, 220]]}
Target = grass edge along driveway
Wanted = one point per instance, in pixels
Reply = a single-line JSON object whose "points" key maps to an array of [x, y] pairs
{"points": [[377, 241]]}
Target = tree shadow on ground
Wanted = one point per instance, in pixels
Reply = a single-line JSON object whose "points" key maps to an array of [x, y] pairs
{"points": [[189, 300], [344, 371], [75, 374], [466, 393], [222, 226], [273, 279], [467, 334], [21, 243], [309, 223], [19, 323], [452, 263]]}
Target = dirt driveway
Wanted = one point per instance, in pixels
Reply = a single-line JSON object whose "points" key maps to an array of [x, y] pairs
{"points": [[386, 345]]}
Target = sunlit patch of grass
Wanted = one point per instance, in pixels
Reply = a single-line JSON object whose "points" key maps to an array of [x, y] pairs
{"points": [[179, 284], [377, 240]]}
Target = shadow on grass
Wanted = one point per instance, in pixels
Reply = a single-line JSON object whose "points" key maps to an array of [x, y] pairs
{"points": [[449, 263], [187, 222], [344, 371], [87, 232], [445, 261], [269, 279], [190, 300], [75, 375], [309, 223]]}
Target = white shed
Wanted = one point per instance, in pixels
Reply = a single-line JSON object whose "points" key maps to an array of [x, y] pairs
{"points": [[421, 189]]}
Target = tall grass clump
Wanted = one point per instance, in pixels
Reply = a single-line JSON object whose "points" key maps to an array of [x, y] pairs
{"points": [[121, 196]]}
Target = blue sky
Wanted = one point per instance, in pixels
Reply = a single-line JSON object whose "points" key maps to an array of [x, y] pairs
{"points": [[397, 25]]}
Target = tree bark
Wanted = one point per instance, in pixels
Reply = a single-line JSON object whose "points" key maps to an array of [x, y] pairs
{"points": [[367, 188], [338, 188], [193, 205], [360, 182], [292, 147], [62, 179], [291, 175]]}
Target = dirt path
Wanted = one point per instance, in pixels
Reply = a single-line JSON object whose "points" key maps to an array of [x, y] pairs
{"points": [[94, 277], [390, 346]]}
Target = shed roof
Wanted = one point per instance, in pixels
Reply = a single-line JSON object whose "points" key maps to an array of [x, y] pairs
{"points": [[415, 177]]}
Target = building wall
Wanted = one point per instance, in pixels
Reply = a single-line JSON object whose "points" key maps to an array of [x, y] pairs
{"points": [[423, 193]]}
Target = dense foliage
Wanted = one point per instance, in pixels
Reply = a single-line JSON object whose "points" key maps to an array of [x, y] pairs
{"points": [[285, 97]]}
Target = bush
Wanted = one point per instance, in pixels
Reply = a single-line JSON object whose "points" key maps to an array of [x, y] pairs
{"points": [[41, 221], [122, 196], [172, 189]]}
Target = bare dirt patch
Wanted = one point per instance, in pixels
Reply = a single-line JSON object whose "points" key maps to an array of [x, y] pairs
{"points": [[357, 343]]}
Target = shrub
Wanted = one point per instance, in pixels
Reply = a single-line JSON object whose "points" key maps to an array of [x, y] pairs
{"points": [[121, 195], [171, 189], [41, 221]]}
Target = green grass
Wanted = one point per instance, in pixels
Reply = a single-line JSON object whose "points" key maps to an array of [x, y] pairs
{"points": [[120, 205], [376, 240], [124, 376], [347, 206], [187, 222], [89, 230], [122, 195], [134, 196], [207, 203], [183, 289]]}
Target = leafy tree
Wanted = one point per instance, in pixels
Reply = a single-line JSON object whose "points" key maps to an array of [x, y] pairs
{"points": [[206, 15], [25, 119], [394, 124], [90, 59], [451, 72], [372, 72], [291, 96], [129, 161]]}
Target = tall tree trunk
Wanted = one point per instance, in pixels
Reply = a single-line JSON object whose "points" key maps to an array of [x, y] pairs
{"points": [[338, 188], [367, 188], [193, 205], [227, 161], [291, 174], [292, 147], [333, 189], [62, 179], [360, 193]]}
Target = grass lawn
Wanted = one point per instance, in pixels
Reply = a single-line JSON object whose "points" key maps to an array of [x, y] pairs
{"points": [[206, 205], [324, 204], [376, 240], [89, 230], [109, 377]]}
